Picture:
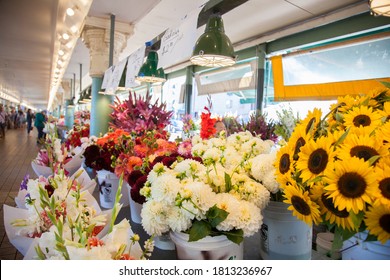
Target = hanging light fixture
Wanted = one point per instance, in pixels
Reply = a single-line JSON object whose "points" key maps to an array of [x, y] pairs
{"points": [[148, 71], [380, 7], [71, 103], [213, 48]]}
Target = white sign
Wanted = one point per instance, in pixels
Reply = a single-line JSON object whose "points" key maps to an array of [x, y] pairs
{"points": [[177, 43], [134, 63], [107, 77], [116, 75]]}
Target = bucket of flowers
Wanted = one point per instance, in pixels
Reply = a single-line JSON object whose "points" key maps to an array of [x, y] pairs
{"points": [[335, 169]]}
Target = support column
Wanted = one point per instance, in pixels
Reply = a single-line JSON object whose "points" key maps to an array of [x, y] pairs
{"points": [[98, 42], [188, 89], [69, 115], [261, 51]]}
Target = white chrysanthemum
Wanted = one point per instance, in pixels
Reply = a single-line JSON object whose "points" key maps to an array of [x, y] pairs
{"points": [[154, 217], [230, 204], [236, 139], [165, 188], [232, 158], [270, 182], [249, 218], [191, 168], [158, 170], [199, 149], [263, 165], [196, 139], [215, 177], [178, 219], [203, 196], [217, 143], [211, 156], [255, 192]]}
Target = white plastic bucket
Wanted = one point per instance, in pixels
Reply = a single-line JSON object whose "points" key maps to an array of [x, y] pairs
{"points": [[324, 243], [356, 248], [208, 248], [108, 186], [283, 236], [135, 207]]}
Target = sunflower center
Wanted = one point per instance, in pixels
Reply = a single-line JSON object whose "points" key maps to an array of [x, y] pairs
{"points": [[284, 163], [384, 222], [328, 203], [351, 185], [300, 205], [361, 120], [309, 125], [300, 142], [318, 161], [384, 186], [363, 152]]}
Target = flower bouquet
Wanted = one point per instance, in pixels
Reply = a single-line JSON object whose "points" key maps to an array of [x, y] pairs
{"points": [[49, 200], [335, 169], [213, 197], [75, 240]]}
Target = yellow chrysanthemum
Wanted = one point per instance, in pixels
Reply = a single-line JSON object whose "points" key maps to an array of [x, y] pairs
{"points": [[351, 184], [330, 213], [314, 157], [283, 164], [362, 116], [377, 220], [311, 121], [363, 146], [382, 174], [297, 140], [301, 205]]}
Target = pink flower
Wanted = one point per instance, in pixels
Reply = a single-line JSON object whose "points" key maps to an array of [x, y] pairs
{"points": [[185, 147]]}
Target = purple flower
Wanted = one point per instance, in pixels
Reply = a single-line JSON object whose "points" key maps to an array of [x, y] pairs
{"points": [[23, 185]]}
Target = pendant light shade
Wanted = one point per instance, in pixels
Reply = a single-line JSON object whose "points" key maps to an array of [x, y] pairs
{"points": [[148, 71], [71, 103], [380, 7], [213, 48]]}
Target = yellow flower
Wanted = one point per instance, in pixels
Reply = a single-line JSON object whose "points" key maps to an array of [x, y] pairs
{"points": [[377, 220], [297, 140], [283, 164], [382, 174], [351, 184], [361, 145], [328, 210], [311, 121], [362, 116], [301, 205], [314, 158], [384, 134]]}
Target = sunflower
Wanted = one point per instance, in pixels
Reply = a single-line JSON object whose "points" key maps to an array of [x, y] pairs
{"points": [[283, 164], [351, 184], [386, 111], [301, 205], [328, 210], [361, 145], [384, 133], [362, 116], [377, 220], [297, 140], [314, 158], [382, 174], [311, 121]]}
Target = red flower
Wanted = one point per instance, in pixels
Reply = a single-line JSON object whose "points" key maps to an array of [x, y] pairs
{"points": [[207, 128]]}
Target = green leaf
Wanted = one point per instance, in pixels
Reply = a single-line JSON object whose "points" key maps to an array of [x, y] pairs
{"points": [[216, 215], [228, 182], [386, 84], [373, 159], [40, 253], [236, 235], [199, 230], [342, 138]]}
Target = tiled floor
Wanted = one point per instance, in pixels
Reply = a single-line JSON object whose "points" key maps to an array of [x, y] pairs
{"points": [[17, 150]]}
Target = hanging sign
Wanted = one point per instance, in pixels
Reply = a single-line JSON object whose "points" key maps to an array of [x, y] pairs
{"points": [[134, 63], [116, 75], [107, 77], [177, 42]]}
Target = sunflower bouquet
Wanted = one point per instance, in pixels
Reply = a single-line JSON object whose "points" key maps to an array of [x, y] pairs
{"points": [[335, 169]]}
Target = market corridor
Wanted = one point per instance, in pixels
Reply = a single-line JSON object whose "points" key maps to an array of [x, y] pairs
{"points": [[17, 150]]}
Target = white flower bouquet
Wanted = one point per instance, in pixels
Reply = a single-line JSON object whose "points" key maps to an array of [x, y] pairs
{"points": [[210, 197]]}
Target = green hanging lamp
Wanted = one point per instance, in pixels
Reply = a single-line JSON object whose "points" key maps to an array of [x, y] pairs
{"points": [[213, 48], [148, 71]]}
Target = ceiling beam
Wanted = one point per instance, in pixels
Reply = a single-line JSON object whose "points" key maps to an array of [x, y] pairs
{"points": [[105, 23]]}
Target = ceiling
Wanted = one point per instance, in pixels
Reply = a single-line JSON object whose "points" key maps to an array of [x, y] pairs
{"points": [[29, 33]]}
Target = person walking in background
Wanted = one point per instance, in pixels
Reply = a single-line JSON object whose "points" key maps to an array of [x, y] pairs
{"points": [[3, 119], [29, 118], [39, 123]]}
